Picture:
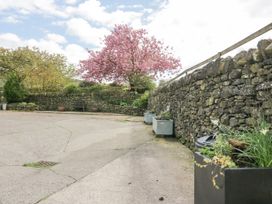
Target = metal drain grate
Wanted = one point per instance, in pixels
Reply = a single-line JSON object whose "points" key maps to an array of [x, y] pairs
{"points": [[40, 164]]}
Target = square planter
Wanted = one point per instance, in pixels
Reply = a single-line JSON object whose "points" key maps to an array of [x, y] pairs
{"points": [[4, 106], [148, 117], [235, 185], [162, 127]]}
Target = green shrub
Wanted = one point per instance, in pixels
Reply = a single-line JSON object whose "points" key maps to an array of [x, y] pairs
{"points": [[141, 83], [94, 88], [141, 102], [115, 84], [83, 84], [71, 89], [23, 106], [122, 103], [14, 90]]}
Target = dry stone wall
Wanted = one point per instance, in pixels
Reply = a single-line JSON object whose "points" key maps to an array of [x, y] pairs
{"points": [[235, 91], [85, 103]]}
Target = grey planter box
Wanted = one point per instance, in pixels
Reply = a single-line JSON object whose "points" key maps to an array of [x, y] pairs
{"points": [[236, 186], [148, 117], [163, 127], [4, 106]]}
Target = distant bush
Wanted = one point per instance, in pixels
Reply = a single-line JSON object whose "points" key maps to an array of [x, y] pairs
{"points": [[23, 106], [142, 83], [83, 84], [94, 88], [114, 84], [14, 90], [27, 106], [141, 102], [123, 103], [71, 89]]}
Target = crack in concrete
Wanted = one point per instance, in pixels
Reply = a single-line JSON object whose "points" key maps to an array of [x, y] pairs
{"points": [[68, 137], [68, 176], [11, 165], [59, 174]]}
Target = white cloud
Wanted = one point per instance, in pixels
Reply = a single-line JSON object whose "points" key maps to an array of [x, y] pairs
{"points": [[73, 52], [56, 38], [32, 6], [94, 11], [71, 1], [9, 40], [135, 6], [85, 32], [43, 44], [11, 19], [198, 29]]}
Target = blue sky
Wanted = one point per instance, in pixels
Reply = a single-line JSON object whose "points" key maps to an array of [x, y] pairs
{"points": [[195, 29]]}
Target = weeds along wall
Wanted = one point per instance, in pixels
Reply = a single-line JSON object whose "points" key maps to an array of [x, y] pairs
{"points": [[235, 91]]}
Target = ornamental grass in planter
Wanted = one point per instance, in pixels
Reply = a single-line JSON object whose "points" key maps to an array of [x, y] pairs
{"points": [[237, 169], [163, 124]]}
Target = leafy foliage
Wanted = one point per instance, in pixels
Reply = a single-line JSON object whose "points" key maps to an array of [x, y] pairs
{"points": [[252, 148], [71, 89], [39, 70], [222, 147], [83, 84], [259, 146], [141, 83], [207, 151], [27, 106], [128, 52], [14, 90], [165, 115], [141, 102]]}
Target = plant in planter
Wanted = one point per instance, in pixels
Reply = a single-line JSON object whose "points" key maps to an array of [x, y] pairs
{"points": [[3, 103], [237, 169], [148, 117], [163, 124]]}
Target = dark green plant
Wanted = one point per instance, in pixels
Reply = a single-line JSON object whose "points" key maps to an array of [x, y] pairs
{"points": [[83, 84], [207, 151], [141, 83], [123, 103], [23, 106], [3, 99], [71, 89], [141, 102], [14, 90]]}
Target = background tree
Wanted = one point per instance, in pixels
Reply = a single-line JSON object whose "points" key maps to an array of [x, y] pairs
{"points": [[39, 70], [128, 54], [14, 90]]}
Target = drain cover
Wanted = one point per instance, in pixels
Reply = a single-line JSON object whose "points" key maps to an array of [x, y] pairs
{"points": [[40, 164]]}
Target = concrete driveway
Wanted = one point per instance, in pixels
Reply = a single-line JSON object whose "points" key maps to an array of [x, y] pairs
{"points": [[101, 159]]}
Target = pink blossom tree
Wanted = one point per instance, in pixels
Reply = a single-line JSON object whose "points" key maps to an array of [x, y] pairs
{"points": [[128, 53]]}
